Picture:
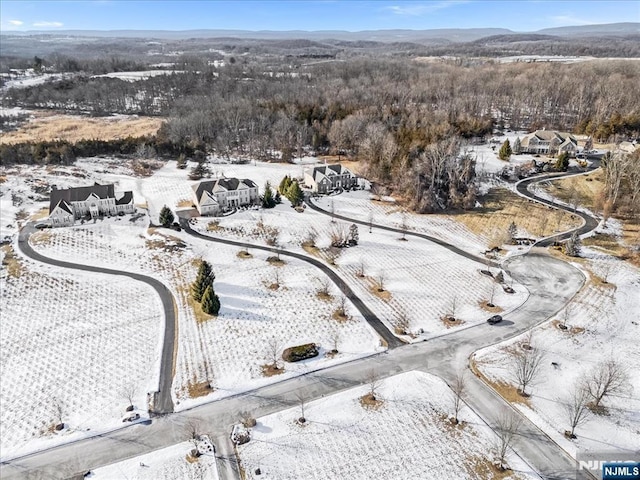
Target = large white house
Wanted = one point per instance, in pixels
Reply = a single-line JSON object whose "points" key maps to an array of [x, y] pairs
{"points": [[327, 178], [549, 142], [70, 204], [215, 196]]}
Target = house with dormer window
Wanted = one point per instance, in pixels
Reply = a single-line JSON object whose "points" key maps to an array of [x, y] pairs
{"points": [[328, 178], [213, 197], [549, 142], [70, 204]]}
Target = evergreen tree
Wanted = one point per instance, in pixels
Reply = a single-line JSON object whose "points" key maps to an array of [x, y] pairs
{"points": [[204, 279], [166, 217], [516, 146], [505, 151], [562, 162], [182, 161], [278, 198], [210, 301], [284, 185], [268, 200], [295, 194], [199, 171], [353, 234]]}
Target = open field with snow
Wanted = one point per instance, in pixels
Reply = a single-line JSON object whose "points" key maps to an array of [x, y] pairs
{"points": [[603, 323], [72, 345], [167, 464], [408, 436]]}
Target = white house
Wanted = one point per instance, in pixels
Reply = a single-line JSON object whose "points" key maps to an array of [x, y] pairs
{"points": [[549, 142], [327, 178], [214, 196], [69, 204]]}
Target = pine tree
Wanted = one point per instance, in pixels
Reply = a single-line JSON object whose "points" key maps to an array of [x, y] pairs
{"points": [[166, 216], [516, 146], [182, 162], [353, 234], [268, 201], [210, 301], [285, 183], [295, 194], [512, 231], [562, 162], [198, 171], [204, 279], [505, 151]]}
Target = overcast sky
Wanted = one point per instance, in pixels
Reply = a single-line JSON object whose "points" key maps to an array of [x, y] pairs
{"points": [[352, 15]]}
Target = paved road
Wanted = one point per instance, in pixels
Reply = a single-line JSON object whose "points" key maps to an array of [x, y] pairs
{"points": [[163, 401], [589, 223], [391, 340], [437, 241], [550, 282]]}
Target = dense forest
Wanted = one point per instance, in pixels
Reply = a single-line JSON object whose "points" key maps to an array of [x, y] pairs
{"points": [[397, 114]]}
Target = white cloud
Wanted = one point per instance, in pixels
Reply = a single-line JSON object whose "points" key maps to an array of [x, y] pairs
{"points": [[48, 24], [16, 23], [417, 9]]}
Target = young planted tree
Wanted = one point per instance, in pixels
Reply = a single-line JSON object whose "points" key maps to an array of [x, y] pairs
{"points": [[354, 237], [608, 377], [573, 246], [562, 162], [458, 390], [373, 381], [403, 322], [285, 183], [295, 194], [576, 409], [506, 428], [512, 232], [166, 216], [526, 366], [301, 399], [210, 301], [505, 151], [128, 392], [203, 280]]}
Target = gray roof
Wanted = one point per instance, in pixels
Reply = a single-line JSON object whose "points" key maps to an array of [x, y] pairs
{"points": [[64, 206], [125, 199], [326, 170], [79, 194], [225, 183]]}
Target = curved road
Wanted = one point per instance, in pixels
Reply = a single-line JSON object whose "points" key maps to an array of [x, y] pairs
{"points": [[371, 318], [551, 284], [163, 402]]}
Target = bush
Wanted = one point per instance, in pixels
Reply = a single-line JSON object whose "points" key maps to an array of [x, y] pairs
{"points": [[300, 352]]}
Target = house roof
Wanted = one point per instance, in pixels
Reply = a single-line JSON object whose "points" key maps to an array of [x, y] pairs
{"points": [[548, 136], [79, 194], [125, 198], [222, 185], [63, 205], [328, 171]]}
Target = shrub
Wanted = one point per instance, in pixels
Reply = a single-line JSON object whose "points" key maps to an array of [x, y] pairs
{"points": [[300, 352]]}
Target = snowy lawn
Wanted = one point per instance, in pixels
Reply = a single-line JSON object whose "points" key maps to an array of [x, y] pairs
{"points": [[73, 346], [169, 463], [603, 323], [230, 350], [408, 436]]}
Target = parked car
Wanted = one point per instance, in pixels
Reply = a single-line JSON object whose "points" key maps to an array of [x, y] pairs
{"points": [[495, 319], [42, 225]]}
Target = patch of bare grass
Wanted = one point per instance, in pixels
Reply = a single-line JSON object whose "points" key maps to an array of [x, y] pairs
{"points": [[39, 215], [505, 390], [41, 238], [11, 262], [371, 402], [198, 389], [482, 467], [185, 203], [244, 254], [322, 295], [484, 304], [214, 226], [73, 128], [275, 261], [451, 322], [270, 370]]}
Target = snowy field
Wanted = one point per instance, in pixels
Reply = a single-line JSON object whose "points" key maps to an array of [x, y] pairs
{"points": [[408, 436], [137, 76], [165, 464], [230, 349], [74, 345], [603, 323]]}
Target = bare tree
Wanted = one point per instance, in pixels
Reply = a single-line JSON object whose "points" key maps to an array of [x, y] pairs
{"points": [[526, 367], [128, 392], [492, 294], [373, 381], [566, 315], [273, 352], [335, 340], [453, 307], [341, 309], [323, 290], [403, 225], [332, 209], [506, 428], [576, 408], [380, 282], [58, 412], [458, 390], [276, 278], [339, 235], [301, 398], [403, 322], [360, 268], [310, 238], [370, 219], [608, 377]]}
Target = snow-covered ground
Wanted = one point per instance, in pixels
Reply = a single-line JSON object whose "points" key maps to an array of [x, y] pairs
{"points": [[604, 323], [408, 436], [165, 464], [140, 75], [72, 345]]}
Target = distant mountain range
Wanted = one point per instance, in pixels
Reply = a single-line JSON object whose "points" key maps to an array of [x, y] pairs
{"points": [[433, 36]]}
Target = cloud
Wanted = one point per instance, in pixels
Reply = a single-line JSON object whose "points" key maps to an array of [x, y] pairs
{"points": [[16, 23], [418, 9], [48, 24]]}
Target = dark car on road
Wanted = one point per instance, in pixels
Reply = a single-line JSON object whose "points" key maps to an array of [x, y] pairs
{"points": [[495, 319]]}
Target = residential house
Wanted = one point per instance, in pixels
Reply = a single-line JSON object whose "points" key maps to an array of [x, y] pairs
{"points": [[212, 197], [549, 142], [327, 178], [70, 204]]}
